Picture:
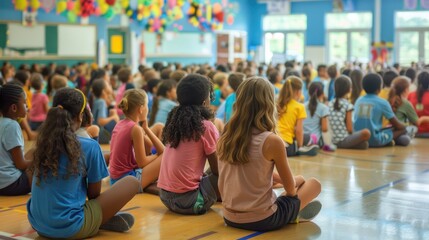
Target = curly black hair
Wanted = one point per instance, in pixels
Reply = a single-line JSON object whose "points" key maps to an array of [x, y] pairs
{"points": [[57, 137], [185, 122]]}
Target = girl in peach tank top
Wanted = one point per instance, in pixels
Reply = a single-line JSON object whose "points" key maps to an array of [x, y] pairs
{"points": [[248, 150]]}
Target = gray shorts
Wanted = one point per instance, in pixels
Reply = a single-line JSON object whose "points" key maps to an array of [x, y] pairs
{"points": [[194, 202], [353, 141]]}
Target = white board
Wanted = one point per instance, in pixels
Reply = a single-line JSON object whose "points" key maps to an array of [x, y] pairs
{"points": [[179, 44], [77, 40], [26, 37]]}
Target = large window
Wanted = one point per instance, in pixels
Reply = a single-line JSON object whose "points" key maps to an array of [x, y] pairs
{"points": [[412, 37], [284, 37], [348, 37]]}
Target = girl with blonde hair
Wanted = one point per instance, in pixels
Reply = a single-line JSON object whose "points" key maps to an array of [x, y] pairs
{"points": [[291, 115]]}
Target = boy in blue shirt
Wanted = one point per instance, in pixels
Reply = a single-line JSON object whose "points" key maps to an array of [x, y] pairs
{"points": [[369, 113], [234, 80]]}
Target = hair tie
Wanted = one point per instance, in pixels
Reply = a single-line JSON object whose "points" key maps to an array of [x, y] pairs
{"points": [[84, 100], [59, 106]]}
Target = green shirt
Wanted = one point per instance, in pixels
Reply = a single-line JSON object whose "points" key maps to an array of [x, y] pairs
{"points": [[406, 113]]}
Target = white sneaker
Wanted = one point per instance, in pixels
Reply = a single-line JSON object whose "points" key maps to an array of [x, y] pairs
{"points": [[311, 150]]}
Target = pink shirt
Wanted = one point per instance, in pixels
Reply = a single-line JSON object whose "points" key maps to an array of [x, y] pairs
{"points": [[37, 112], [246, 189], [122, 157], [182, 167], [119, 96]]}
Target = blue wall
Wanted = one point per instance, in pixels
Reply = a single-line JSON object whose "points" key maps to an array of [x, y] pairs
{"points": [[316, 10]]}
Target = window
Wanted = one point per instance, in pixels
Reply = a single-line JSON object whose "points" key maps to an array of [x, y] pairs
{"points": [[348, 37], [412, 37], [284, 37]]}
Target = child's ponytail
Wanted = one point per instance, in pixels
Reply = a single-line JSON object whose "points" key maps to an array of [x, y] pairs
{"points": [[342, 88], [57, 136], [398, 87], [291, 85], [315, 91]]}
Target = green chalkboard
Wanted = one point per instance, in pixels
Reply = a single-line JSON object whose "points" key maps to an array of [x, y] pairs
{"points": [[51, 39], [3, 35]]}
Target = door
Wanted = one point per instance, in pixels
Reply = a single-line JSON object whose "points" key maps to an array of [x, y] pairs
{"points": [[295, 46], [408, 44], [337, 47], [359, 46], [274, 45]]}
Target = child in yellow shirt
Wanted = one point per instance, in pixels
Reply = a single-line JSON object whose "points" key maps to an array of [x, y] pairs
{"points": [[290, 120]]}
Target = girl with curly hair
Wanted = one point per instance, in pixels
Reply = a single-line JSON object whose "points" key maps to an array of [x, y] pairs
{"points": [[190, 139], [67, 170]]}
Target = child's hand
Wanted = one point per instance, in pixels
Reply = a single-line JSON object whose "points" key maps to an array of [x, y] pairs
{"points": [[145, 125], [114, 114]]}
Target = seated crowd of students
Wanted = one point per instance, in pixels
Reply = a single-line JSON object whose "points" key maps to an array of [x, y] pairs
{"points": [[164, 122]]}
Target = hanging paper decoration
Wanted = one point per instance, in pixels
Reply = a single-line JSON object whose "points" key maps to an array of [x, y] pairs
{"points": [[61, 6], [410, 4], [110, 2], [35, 4], [125, 3], [87, 8], [47, 5], [71, 17], [70, 5], [424, 4], [21, 5]]}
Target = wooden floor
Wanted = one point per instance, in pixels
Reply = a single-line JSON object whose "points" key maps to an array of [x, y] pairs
{"points": [[375, 194]]}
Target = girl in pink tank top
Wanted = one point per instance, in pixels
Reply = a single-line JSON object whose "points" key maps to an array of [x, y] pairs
{"points": [[248, 150], [128, 153]]}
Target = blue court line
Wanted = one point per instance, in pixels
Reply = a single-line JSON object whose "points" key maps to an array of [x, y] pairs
{"points": [[377, 189], [202, 235], [251, 235], [373, 161]]}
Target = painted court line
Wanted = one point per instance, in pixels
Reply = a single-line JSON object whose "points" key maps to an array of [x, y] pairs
{"points": [[372, 161], [387, 185], [23, 234], [129, 209], [251, 235], [9, 236], [202, 235], [19, 205]]}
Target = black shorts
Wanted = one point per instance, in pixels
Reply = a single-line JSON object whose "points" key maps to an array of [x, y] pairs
{"points": [[19, 187], [287, 211]]}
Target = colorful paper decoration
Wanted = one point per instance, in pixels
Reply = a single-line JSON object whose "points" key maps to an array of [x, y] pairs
{"points": [[155, 15], [35, 4], [47, 5], [410, 4]]}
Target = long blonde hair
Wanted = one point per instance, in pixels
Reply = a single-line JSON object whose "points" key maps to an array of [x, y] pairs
{"points": [[253, 109], [291, 85]]}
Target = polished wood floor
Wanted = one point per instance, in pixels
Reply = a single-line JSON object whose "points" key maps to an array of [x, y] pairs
{"points": [[375, 194]]}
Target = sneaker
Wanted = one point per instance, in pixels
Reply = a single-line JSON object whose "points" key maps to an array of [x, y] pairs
{"points": [[314, 139], [329, 148], [391, 144], [411, 131], [121, 222], [309, 212], [308, 150]]}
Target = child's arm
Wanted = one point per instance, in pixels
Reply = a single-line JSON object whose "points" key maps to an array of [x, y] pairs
{"points": [[274, 150], [299, 132], [18, 158], [423, 119], [26, 128], [153, 138], [398, 125], [212, 158], [139, 150], [113, 117], [324, 124], [349, 123], [94, 190]]}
